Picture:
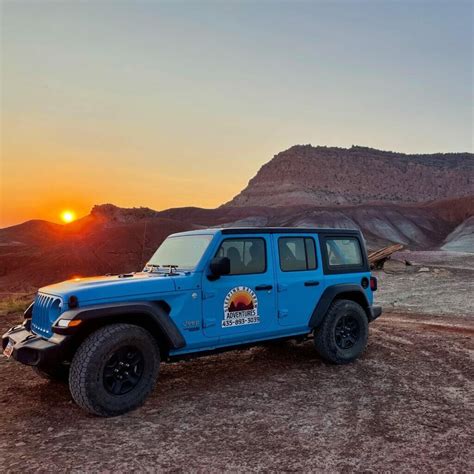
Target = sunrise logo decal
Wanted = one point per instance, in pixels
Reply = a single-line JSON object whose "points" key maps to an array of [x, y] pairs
{"points": [[240, 307]]}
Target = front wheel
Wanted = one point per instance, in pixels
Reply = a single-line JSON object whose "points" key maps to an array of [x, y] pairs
{"points": [[343, 334], [114, 370]]}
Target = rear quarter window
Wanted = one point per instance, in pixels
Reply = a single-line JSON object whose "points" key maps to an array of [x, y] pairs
{"points": [[343, 254]]}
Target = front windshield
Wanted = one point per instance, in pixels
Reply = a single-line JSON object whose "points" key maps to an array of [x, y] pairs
{"points": [[183, 251]]}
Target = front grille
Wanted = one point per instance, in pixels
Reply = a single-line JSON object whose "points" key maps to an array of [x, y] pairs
{"points": [[45, 311]]}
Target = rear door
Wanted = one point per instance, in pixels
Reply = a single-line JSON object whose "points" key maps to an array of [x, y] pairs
{"points": [[299, 277], [242, 305]]}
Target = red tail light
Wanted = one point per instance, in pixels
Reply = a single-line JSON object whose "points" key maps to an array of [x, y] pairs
{"points": [[373, 283]]}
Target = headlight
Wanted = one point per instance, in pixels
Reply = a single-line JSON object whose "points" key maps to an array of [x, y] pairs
{"points": [[68, 323]]}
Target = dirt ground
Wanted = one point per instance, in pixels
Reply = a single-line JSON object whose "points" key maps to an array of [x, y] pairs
{"points": [[407, 404], [439, 283]]}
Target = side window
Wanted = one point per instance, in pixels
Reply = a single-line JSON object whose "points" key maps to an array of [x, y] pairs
{"points": [[245, 255], [343, 251], [297, 254]]}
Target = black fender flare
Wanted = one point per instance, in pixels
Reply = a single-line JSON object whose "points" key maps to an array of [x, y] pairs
{"points": [[155, 315], [353, 292]]}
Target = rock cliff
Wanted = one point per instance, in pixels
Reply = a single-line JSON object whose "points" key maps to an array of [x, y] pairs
{"points": [[329, 176]]}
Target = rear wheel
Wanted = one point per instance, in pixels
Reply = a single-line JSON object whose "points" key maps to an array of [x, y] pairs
{"points": [[343, 334], [114, 370]]}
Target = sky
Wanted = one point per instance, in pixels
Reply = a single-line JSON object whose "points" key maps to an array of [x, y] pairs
{"points": [[167, 104]]}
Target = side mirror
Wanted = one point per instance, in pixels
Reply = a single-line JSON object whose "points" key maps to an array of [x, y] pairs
{"points": [[220, 266]]}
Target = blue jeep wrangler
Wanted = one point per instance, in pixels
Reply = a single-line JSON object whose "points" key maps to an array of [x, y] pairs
{"points": [[201, 292]]}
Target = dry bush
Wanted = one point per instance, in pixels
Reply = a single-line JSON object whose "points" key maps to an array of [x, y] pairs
{"points": [[14, 303]]}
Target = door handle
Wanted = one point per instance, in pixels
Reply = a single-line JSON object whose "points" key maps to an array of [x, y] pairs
{"points": [[263, 287], [311, 283]]}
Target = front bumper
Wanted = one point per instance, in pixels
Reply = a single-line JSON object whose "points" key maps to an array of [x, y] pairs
{"points": [[31, 349], [375, 312]]}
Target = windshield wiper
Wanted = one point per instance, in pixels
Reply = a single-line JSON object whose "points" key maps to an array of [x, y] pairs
{"points": [[152, 266], [171, 268]]}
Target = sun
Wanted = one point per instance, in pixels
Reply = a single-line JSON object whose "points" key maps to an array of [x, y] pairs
{"points": [[68, 216]]}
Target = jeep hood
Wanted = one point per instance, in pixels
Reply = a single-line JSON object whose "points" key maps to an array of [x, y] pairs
{"points": [[115, 287]]}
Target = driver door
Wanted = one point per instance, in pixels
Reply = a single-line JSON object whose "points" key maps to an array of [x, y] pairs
{"points": [[242, 305]]}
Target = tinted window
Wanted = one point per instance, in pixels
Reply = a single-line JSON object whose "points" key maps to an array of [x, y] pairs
{"points": [[343, 251], [245, 255], [297, 254]]}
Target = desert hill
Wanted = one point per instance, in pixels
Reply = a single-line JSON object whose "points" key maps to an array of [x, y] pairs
{"points": [[329, 176], [462, 237], [92, 246], [419, 226], [113, 240]]}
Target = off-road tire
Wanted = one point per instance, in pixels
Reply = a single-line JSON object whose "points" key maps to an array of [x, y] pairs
{"points": [[56, 374], [87, 380], [325, 335]]}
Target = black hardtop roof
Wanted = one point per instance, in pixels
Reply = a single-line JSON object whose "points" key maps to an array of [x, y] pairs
{"points": [[288, 230]]}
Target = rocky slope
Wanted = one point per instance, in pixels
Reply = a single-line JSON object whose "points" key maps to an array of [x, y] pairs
{"points": [[461, 239], [381, 193], [112, 239], [418, 226], [329, 176]]}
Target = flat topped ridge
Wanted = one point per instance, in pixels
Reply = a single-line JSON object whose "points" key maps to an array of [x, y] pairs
{"points": [[304, 175], [363, 148]]}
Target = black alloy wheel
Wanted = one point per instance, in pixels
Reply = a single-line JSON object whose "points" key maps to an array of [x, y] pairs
{"points": [[123, 370], [347, 332]]}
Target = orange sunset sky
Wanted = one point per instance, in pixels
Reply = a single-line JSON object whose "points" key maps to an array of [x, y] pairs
{"points": [[165, 104]]}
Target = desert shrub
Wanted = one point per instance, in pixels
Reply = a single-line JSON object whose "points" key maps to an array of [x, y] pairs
{"points": [[14, 303]]}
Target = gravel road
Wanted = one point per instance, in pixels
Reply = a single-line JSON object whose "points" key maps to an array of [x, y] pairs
{"points": [[407, 404]]}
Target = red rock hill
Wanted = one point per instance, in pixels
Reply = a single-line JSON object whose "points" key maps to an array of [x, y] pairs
{"points": [[384, 194], [329, 176]]}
